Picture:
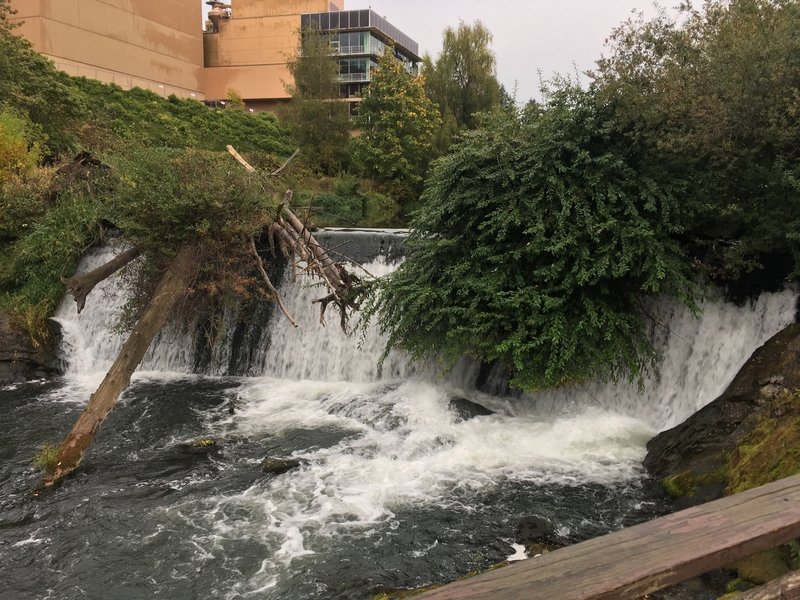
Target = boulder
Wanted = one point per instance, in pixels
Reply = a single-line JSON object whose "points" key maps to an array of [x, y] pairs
{"points": [[466, 409], [278, 466], [739, 440], [536, 534], [20, 358]]}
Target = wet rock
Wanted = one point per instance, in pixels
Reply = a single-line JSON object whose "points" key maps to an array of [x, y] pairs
{"points": [[20, 359], [536, 534], [705, 457], [466, 409], [763, 567], [278, 466], [201, 446]]}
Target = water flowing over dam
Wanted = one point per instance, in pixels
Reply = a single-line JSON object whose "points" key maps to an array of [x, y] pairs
{"points": [[396, 487]]}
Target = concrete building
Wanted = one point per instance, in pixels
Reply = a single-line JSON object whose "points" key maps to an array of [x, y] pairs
{"points": [[159, 44], [248, 49], [152, 44]]}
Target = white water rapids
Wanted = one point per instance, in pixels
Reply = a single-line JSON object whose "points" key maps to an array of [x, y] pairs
{"points": [[397, 442]]}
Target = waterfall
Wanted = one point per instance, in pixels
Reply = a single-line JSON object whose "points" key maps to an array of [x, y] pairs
{"points": [[91, 340], [700, 357], [701, 354]]}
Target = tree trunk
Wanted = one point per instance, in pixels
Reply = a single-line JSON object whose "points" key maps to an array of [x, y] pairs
{"points": [[80, 285], [172, 285]]}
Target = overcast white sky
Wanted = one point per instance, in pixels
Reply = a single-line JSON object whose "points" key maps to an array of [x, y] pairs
{"points": [[551, 36]]}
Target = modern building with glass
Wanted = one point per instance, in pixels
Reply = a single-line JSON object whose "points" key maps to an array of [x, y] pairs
{"points": [[359, 38]]}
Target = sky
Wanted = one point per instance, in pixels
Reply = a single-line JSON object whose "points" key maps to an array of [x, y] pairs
{"points": [[530, 36]]}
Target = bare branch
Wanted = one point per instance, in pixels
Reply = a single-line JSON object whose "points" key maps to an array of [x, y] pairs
{"points": [[268, 283], [232, 151], [286, 164]]}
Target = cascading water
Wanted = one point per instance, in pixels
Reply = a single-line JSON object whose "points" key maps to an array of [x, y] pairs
{"points": [[395, 488]]}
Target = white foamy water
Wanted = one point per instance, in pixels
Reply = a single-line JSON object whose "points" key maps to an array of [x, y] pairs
{"points": [[701, 356], [401, 447], [91, 341], [325, 353]]}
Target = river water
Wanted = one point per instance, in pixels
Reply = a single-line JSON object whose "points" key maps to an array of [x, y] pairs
{"points": [[395, 490]]}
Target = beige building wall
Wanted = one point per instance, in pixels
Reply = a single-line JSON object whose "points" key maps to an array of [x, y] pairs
{"points": [[250, 51], [153, 44]]}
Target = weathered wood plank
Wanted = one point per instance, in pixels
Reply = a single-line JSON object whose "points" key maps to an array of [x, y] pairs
{"points": [[645, 558], [784, 588]]}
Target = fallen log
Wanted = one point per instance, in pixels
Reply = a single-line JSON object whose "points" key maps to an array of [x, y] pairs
{"points": [[80, 286], [295, 239], [172, 286]]}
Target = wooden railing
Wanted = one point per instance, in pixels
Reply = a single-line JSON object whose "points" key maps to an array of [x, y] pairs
{"points": [[653, 555]]}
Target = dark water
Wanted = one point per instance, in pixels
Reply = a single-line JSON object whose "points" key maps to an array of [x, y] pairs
{"points": [[150, 516]]}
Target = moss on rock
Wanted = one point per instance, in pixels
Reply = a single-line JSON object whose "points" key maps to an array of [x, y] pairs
{"points": [[771, 451], [763, 567]]}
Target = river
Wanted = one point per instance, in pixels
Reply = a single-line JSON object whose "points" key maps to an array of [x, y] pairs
{"points": [[396, 489]]}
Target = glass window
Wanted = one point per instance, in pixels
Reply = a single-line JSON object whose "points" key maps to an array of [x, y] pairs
{"points": [[334, 20], [344, 20], [325, 21], [363, 18]]}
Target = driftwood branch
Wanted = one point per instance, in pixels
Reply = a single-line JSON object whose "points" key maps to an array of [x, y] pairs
{"points": [[232, 151], [286, 164], [81, 285], [268, 283]]}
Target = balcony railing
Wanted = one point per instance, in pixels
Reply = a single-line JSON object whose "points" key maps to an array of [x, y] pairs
{"points": [[348, 50], [353, 77]]}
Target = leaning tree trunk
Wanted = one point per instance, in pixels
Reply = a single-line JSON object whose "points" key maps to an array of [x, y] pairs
{"points": [[172, 285]]}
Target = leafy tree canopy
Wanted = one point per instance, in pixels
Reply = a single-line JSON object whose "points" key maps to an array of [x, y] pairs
{"points": [[321, 122], [536, 245], [397, 123], [711, 99], [462, 81]]}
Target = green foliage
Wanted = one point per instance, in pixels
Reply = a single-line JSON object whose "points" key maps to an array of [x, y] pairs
{"points": [[348, 205], [536, 244], [314, 70], [463, 81], [164, 198], [322, 131], [235, 100], [46, 458], [711, 99], [31, 85], [321, 123], [47, 248], [144, 117], [19, 156], [397, 122]]}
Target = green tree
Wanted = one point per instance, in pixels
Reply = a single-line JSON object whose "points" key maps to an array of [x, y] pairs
{"points": [[397, 122], [235, 100], [321, 121], [463, 79], [710, 99], [537, 245]]}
